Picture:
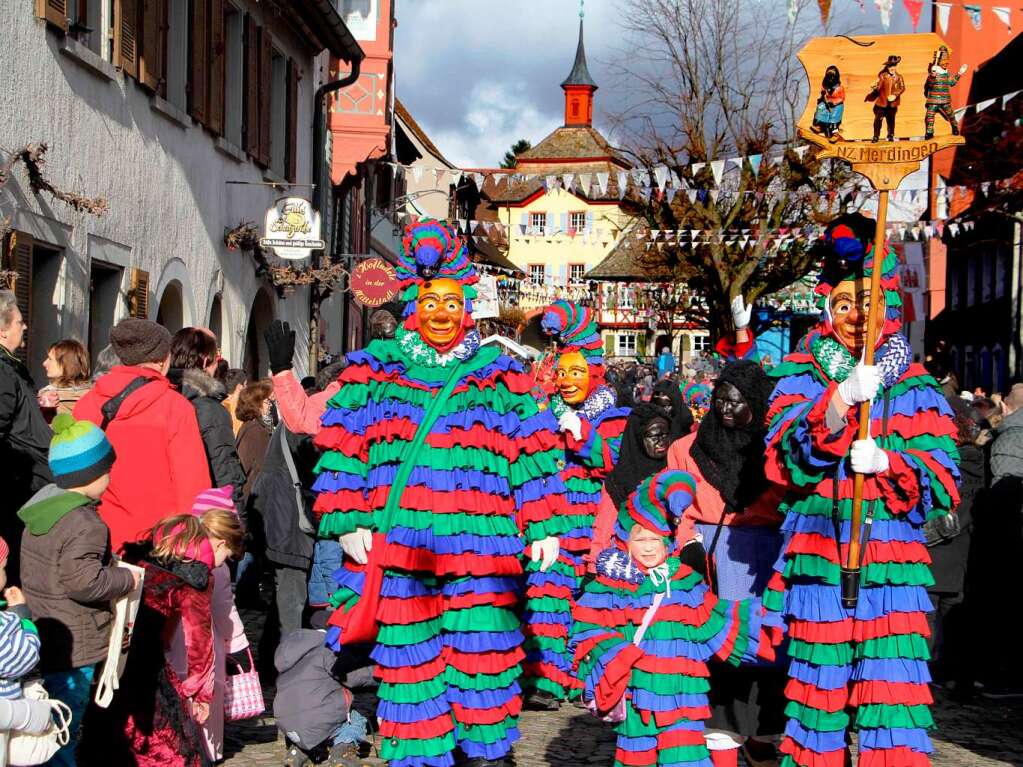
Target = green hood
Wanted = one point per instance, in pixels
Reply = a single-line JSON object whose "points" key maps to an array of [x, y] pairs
{"points": [[47, 507]]}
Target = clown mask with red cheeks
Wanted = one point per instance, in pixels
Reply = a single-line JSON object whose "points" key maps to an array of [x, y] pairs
{"points": [[440, 313]]}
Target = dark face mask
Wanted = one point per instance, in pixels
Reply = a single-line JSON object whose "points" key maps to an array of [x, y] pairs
{"points": [[731, 407], [662, 400], [655, 438]]}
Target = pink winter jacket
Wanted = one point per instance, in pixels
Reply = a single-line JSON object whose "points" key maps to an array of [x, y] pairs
{"points": [[300, 412]]}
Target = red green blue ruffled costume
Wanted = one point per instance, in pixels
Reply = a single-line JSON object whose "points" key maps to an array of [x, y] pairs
{"points": [[445, 569], [550, 595], [863, 669], [664, 678]]}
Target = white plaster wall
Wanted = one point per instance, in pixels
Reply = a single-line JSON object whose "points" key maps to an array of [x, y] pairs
{"points": [[164, 181]]}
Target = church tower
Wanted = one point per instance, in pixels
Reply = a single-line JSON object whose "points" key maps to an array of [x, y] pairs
{"points": [[579, 89]]}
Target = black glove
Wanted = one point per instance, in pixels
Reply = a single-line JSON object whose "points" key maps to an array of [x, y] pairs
{"points": [[694, 555], [280, 346]]}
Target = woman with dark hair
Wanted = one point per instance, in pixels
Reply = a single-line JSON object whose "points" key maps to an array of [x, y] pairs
{"points": [[253, 410], [193, 360], [67, 368], [735, 515]]}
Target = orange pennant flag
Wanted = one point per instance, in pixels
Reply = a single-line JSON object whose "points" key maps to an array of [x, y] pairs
{"points": [[825, 6]]}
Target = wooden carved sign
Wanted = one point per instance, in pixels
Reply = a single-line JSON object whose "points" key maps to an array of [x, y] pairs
{"points": [[883, 103]]}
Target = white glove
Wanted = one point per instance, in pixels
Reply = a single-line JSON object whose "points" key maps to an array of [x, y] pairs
{"points": [[963, 68], [741, 312], [570, 421], [866, 457], [546, 552], [356, 544], [861, 385]]}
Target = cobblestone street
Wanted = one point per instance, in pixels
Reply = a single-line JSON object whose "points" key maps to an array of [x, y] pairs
{"points": [[985, 734]]}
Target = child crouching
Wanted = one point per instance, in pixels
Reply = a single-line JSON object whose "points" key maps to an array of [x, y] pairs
{"points": [[646, 627], [154, 717], [66, 569]]}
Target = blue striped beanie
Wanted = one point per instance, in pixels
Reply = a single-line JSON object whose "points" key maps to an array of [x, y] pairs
{"points": [[79, 452]]}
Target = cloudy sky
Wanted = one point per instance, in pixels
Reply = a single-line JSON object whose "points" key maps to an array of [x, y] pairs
{"points": [[480, 74]]}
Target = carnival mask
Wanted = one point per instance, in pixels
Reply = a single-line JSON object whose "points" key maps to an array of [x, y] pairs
{"points": [[849, 308], [731, 407], [440, 308], [663, 400], [655, 438], [382, 324], [572, 378]]}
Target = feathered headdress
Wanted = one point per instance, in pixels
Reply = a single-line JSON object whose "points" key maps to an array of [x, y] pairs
{"points": [[431, 249], [848, 251], [574, 329], [657, 505]]}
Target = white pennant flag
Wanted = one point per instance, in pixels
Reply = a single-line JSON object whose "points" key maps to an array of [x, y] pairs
{"points": [[568, 179], [884, 7], [1009, 97], [960, 112], [801, 150], [985, 186], [417, 172], [954, 229], [639, 176], [623, 182], [694, 233], [654, 233], [928, 231], [717, 167], [696, 167], [916, 232], [661, 176], [943, 11], [438, 174], [549, 181], [714, 194], [670, 193], [982, 105], [968, 226], [1004, 15], [478, 180], [602, 179], [458, 175], [691, 194], [585, 182]]}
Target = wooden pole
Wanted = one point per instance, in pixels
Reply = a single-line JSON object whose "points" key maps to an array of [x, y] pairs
{"points": [[873, 319]]}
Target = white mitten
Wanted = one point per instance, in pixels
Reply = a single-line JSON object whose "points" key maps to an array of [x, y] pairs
{"points": [[866, 457], [963, 68], [741, 312], [356, 544], [545, 552], [570, 422], [861, 385]]}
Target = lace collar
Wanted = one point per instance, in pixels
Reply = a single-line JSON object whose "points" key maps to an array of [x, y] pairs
{"points": [[601, 399], [837, 362], [421, 353]]}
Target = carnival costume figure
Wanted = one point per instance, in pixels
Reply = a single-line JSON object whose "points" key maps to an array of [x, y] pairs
{"points": [[827, 117], [592, 427], [647, 626], [864, 667], [938, 92], [439, 469]]}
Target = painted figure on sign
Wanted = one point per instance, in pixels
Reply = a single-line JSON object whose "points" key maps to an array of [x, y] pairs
{"points": [[938, 92], [830, 105], [886, 94]]}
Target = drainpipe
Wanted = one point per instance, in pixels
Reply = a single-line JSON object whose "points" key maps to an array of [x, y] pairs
{"points": [[319, 195]]}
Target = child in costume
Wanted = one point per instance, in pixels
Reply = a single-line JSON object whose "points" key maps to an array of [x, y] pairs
{"points": [[646, 628], [867, 666], [592, 425], [938, 92], [439, 470]]}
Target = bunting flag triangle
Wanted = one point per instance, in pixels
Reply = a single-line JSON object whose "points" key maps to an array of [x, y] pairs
{"points": [[914, 7], [623, 182], [696, 167], [691, 194], [884, 7], [550, 181], [670, 193], [980, 106], [661, 175], [943, 10], [801, 150], [417, 172], [960, 112], [568, 179], [585, 182], [714, 194], [1009, 97], [754, 163], [825, 9], [717, 167], [973, 11], [1004, 15], [602, 178]]}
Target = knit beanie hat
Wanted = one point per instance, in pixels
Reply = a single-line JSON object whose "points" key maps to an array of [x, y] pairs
{"points": [[657, 505], [214, 499], [138, 341], [79, 452]]}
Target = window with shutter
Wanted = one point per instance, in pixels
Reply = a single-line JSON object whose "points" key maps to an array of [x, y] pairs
{"points": [[198, 57], [54, 12], [126, 49], [218, 67], [291, 159], [250, 129], [152, 25], [265, 104], [138, 301], [20, 262]]}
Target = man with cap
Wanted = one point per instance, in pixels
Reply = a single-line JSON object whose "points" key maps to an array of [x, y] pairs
{"points": [[161, 464], [887, 93]]}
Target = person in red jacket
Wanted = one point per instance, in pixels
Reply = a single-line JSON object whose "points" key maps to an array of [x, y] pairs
{"points": [[161, 464]]}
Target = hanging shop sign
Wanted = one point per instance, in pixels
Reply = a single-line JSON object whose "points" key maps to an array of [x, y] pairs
{"points": [[292, 228], [374, 282], [486, 305]]}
